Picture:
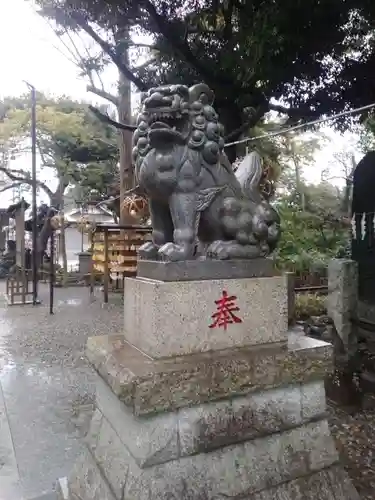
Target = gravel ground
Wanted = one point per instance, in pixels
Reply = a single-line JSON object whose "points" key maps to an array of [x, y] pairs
{"points": [[355, 440], [31, 334], [46, 386]]}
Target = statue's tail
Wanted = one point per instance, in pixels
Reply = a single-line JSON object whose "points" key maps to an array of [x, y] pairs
{"points": [[265, 220], [249, 174]]}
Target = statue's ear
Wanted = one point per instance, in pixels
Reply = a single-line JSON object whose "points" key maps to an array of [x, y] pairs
{"points": [[201, 92]]}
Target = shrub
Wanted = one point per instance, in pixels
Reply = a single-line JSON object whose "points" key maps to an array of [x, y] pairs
{"points": [[310, 304]]}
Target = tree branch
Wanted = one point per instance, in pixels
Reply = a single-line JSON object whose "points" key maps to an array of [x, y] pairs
{"points": [[294, 113], [106, 119], [102, 93], [146, 63], [228, 14], [25, 180], [43, 155], [108, 49], [10, 186], [249, 123], [182, 48]]}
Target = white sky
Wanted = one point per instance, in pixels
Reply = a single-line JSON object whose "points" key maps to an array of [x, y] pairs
{"points": [[27, 52]]}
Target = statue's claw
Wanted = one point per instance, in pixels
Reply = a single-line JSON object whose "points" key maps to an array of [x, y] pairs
{"points": [[172, 252], [223, 250], [148, 251], [219, 250]]}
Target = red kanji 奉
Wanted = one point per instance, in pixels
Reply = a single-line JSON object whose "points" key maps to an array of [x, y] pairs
{"points": [[225, 313]]}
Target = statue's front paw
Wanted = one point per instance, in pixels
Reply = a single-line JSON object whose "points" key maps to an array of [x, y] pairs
{"points": [[219, 250], [148, 251], [172, 252]]}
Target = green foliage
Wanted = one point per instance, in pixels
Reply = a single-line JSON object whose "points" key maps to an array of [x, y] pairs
{"points": [[78, 148], [309, 304], [367, 134], [305, 53], [308, 239]]}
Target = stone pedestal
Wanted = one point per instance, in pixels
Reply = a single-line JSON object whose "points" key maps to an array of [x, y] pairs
{"points": [[189, 412], [342, 300], [178, 317]]}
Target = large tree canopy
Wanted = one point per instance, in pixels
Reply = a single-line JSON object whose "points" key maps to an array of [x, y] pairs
{"points": [[313, 57], [71, 143]]}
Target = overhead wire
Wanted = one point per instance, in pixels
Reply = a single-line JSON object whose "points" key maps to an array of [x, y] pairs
{"points": [[285, 130], [275, 133]]}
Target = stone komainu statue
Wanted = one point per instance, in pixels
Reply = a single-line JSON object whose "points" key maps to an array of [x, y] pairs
{"points": [[198, 205]]}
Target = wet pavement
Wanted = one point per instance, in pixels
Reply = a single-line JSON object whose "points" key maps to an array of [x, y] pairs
{"points": [[46, 386]]}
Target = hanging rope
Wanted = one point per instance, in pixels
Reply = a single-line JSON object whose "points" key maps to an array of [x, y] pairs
{"points": [[302, 125]]}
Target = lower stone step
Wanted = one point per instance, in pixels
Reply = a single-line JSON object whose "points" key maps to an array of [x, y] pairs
{"points": [[46, 496], [328, 484]]}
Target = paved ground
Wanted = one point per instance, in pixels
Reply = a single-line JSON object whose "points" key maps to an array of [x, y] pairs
{"points": [[46, 387]]}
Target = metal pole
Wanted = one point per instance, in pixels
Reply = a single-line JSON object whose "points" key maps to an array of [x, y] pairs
{"points": [[52, 272], [35, 253]]}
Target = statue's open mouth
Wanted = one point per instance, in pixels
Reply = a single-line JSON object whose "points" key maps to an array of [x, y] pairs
{"points": [[168, 125]]}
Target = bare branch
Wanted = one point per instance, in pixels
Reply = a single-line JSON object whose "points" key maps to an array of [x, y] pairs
{"points": [[106, 119], [102, 93], [25, 180], [10, 186], [108, 49], [146, 63], [249, 123], [43, 155]]}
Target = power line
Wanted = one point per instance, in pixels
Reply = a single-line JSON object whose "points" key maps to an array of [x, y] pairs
{"points": [[272, 134], [302, 125]]}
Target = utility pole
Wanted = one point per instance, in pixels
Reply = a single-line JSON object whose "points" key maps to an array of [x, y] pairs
{"points": [[33, 203]]}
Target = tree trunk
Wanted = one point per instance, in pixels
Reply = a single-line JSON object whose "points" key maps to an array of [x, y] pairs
{"points": [[124, 136], [231, 118], [299, 186]]}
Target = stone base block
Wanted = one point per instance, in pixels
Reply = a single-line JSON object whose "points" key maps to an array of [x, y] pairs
{"points": [[204, 269], [241, 423], [149, 386], [330, 484], [274, 444], [182, 317]]}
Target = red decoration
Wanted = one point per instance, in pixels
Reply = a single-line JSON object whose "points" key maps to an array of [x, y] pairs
{"points": [[224, 316]]}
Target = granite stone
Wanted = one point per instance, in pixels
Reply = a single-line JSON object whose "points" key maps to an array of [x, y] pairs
{"points": [[165, 319], [205, 269], [150, 441], [214, 425], [329, 484], [342, 298], [150, 386], [291, 281], [112, 458], [332, 483], [91, 437], [87, 481], [167, 436], [313, 400], [232, 471]]}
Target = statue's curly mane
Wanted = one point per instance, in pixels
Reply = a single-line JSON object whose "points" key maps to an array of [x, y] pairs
{"points": [[206, 133]]}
